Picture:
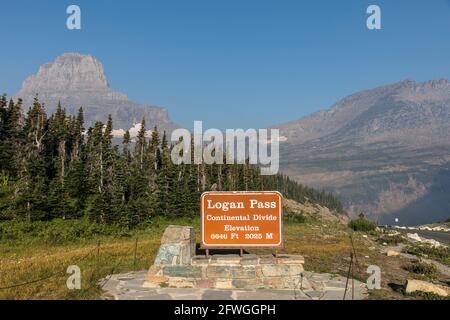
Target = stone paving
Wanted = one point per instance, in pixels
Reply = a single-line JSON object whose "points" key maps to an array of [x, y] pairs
{"points": [[314, 286]]}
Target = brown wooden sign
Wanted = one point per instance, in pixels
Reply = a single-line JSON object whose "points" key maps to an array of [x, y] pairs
{"points": [[241, 220]]}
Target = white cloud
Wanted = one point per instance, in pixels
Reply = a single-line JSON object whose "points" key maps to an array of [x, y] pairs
{"points": [[134, 131]]}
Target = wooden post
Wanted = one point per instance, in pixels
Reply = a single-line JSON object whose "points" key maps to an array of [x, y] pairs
{"points": [[354, 253], [207, 253], [353, 281], [98, 251], [135, 254], [350, 268], [241, 252]]}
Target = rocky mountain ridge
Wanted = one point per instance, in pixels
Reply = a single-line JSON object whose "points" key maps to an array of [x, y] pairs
{"points": [[385, 151], [79, 80]]}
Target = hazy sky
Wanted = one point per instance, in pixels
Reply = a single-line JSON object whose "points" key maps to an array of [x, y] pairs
{"points": [[233, 63]]}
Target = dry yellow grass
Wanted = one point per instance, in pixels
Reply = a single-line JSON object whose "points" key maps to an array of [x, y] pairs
{"points": [[37, 262]]}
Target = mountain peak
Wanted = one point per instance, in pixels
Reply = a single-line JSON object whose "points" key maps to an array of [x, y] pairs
{"points": [[69, 72], [75, 80]]}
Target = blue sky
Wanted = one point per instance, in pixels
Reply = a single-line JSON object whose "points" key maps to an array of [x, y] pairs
{"points": [[233, 63]]}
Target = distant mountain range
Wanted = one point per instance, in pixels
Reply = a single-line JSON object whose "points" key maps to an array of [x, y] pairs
{"points": [[385, 151], [79, 81]]}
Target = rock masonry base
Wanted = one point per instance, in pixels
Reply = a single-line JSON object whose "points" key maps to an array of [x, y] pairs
{"points": [[177, 266], [231, 272]]}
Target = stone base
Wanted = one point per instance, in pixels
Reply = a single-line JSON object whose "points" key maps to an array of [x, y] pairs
{"points": [[231, 272], [324, 286]]}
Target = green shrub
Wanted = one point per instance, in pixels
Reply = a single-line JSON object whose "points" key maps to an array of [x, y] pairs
{"points": [[362, 224], [426, 269], [391, 239], [56, 231], [295, 218], [441, 254]]}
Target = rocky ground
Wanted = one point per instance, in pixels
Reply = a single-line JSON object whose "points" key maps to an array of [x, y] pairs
{"points": [[442, 268], [419, 263], [325, 286]]}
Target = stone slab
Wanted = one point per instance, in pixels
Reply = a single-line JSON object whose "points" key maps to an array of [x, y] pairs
{"points": [[205, 283], [182, 271], [250, 259], [200, 260], [223, 284], [156, 279], [229, 259], [253, 283], [290, 259], [267, 259], [217, 295], [267, 295], [176, 234], [281, 270], [232, 272], [181, 283]]}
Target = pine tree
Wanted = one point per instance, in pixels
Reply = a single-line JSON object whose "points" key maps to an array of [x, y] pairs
{"points": [[32, 186], [77, 136], [164, 180], [154, 151], [126, 146], [141, 146]]}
